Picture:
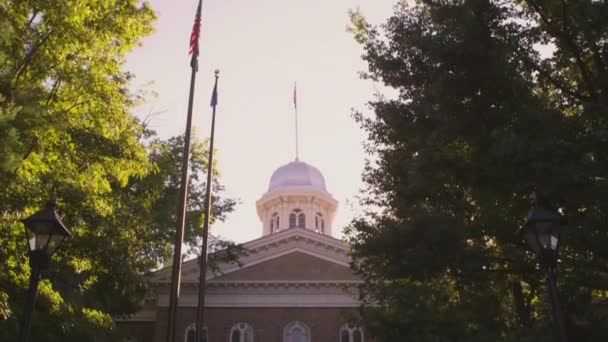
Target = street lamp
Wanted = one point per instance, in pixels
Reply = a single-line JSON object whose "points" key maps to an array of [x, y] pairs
{"points": [[541, 232], [45, 232]]}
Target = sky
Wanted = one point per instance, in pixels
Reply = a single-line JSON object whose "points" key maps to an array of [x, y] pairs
{"points": [[261, 48]]}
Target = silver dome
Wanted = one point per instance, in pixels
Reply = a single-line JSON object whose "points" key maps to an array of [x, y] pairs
{"points": [[297, 174]]}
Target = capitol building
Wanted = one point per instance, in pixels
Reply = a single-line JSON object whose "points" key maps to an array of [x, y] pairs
{"points": [[292, 284]]}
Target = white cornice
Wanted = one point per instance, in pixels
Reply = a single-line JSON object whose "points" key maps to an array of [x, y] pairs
{"points": [[270, 294], [217, 284], [297, 191]]}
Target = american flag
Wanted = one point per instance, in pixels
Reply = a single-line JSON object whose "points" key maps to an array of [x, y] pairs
{"points": [[196, 29]]}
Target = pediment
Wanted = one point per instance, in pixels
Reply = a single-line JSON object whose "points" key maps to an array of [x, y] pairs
{"points": [[318, 255], [296, 265]]}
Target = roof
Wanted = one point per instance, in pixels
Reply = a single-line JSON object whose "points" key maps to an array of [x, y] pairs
{"points": [[297, 174]]}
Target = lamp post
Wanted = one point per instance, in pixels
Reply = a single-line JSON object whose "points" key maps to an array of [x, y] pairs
{"points": [[45, 232], [541, 232]]}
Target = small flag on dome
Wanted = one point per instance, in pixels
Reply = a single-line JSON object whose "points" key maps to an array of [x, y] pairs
{"points": [[295, 97]]}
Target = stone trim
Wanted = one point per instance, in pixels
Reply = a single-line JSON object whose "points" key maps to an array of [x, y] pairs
{"points": [[271, 284], [269, 299]]}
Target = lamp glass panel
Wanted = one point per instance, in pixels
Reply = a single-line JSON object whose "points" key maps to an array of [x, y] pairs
{"points": [[531, 239], [31, 239], [554, 241], [42, 240], [54, 243], [546, 235]]}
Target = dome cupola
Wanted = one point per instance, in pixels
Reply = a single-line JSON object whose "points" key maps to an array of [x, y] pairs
{"points": [[297, 198]]}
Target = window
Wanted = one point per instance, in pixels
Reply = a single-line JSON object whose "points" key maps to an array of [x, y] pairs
{"points": [[241, 332], [357, 336], [274, 223], [292, 220], [344, 336], [319, 223], [351, 333], [296, 332], [297, 219], [190, 335]]}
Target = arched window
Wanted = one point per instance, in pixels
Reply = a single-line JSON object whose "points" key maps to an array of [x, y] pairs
{"points": [[351, 333], [358, 335], [241, 332], [297, 219], [274, 223], [190, 335], [292, 220], [319, 223], [296, 332], [344, 336]]}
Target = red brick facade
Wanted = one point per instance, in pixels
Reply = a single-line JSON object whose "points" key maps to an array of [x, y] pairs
{"points": [[267, 323], [293, 276]]}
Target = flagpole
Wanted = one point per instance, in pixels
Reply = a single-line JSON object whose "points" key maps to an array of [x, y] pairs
{"points": [[200, 310], [176, 267], [295, 107]]}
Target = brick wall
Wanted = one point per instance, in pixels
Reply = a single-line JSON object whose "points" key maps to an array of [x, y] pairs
{"points": [[268, 323]]}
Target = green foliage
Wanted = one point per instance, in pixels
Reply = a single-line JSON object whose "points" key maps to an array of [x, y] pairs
{"points": [[5, 310], [496, 100], [67, 131]]}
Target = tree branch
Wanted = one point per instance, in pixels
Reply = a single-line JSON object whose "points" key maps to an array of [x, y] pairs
{"points": [[53, 91], [28, 58], [29, 23], [564, 37]]}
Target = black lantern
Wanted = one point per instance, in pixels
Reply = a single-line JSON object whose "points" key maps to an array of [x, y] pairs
{"points": [[45, 232], [541, 232]]}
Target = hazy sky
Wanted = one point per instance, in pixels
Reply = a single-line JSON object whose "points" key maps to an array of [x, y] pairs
{"points": [[261, 47]]}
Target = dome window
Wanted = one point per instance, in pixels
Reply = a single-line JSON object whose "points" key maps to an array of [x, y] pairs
{"points": [[297, 219], [274, 223], [319, 223]]}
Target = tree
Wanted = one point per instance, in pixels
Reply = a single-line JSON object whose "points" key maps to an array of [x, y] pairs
{"points": [[496, 100], [67, 131]]}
